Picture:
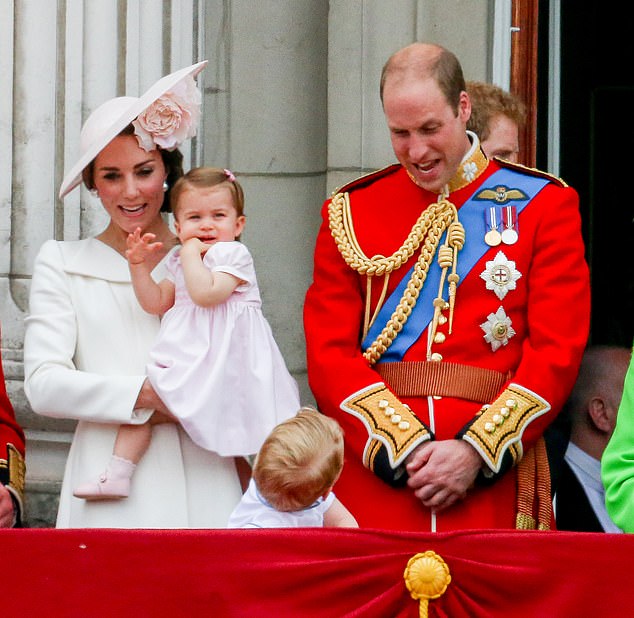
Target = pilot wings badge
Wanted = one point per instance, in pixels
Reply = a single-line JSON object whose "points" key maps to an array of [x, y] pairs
{"points": [[501, 195]]}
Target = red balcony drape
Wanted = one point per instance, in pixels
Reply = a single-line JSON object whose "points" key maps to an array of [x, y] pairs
{"points": [[331, 573]]}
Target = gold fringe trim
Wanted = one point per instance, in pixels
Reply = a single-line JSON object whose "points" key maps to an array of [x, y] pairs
{"points": [[533, 490]]}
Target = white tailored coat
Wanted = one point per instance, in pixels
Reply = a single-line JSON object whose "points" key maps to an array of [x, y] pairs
{"points": [[86, 345]]}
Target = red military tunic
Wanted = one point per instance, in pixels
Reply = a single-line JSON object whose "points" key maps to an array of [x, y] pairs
{"points": [[535, 344], [12, 469]]}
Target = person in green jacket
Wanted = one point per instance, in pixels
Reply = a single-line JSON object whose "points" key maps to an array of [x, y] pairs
{"points": [[617, 463]]}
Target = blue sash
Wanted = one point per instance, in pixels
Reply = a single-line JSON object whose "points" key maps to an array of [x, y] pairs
{"points": [[472, 216]]}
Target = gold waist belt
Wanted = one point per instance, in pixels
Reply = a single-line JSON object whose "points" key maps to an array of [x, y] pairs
{"points": [[423, 378]]}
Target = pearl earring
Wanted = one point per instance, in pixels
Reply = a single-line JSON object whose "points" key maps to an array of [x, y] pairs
{"points": [[165, 186], [94, 192]]}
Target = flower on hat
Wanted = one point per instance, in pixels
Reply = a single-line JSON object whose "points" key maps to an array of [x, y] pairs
{"points": [[171, 119]]}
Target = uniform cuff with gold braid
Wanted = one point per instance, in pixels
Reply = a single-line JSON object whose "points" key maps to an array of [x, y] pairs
{"points": [[394, 431], [496, 431], [12, 476]]}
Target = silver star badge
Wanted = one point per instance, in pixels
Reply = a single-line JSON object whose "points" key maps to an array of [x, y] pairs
{"points": [[500, 275], [497, 329]]}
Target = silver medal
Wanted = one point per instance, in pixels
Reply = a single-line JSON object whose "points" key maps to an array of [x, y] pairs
{"points": [[509, 236], [509, 233]]}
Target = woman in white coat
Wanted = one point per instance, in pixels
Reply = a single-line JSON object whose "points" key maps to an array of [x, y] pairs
{"points": [[87, 339]]}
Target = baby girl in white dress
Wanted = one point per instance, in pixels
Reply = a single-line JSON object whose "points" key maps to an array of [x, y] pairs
{"points": [[215, 363]]}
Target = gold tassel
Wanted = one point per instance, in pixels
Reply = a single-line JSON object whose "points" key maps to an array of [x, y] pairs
{"points": [[534, 505]]}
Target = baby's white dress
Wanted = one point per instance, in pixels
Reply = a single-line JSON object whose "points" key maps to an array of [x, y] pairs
{"points": [[218, 369]]}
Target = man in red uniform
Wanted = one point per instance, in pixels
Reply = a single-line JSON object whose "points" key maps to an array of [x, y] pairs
{"points": [[11, 462], [447, 317]]}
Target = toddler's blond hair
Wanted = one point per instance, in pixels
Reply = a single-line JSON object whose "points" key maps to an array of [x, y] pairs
{"points": [[299, 461]]}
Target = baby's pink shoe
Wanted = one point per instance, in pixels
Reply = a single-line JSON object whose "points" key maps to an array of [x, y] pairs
{"points": [[103, 488], [113, 484]]}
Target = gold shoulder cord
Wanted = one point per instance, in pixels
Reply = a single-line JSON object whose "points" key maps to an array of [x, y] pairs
{"points": [[428, 229]]}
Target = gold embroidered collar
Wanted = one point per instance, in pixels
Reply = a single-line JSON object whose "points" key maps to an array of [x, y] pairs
{"points": [[473, 164]]}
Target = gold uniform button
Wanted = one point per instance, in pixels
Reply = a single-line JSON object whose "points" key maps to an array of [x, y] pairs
{"points": [[436, 357]]}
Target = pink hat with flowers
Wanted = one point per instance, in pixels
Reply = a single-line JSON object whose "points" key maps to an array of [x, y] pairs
{"points": [[165, 116]]}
